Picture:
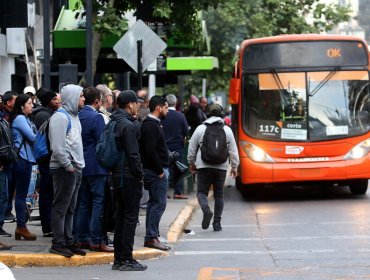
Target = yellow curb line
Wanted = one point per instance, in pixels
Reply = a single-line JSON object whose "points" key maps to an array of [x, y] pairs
{"points": [[41, 260], [178, 225]]}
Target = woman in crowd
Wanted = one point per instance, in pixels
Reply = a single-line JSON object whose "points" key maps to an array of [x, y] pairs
{"points": [[24, 133]]}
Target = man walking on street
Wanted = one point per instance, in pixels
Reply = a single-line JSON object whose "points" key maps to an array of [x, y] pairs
{"points": [[211, 163], [129, 192], [66, 164], [154, 153]]}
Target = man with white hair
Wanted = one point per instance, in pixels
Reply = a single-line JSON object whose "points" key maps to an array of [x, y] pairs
{"points": [[175, 128], [107, 101]]}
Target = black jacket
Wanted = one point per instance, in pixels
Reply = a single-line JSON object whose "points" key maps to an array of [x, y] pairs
{"points": [[40, 115], [127, 133], [153, 148]]}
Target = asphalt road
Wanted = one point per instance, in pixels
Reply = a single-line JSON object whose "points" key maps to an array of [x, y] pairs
{"points": [[310, 233]]}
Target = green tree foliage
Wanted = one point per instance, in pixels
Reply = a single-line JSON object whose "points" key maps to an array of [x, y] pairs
{"points": [[237, 20], [364, 17], [108, 18]]}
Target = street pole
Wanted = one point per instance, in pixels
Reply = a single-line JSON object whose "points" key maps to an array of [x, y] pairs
{"points": [[88, 73], [46, 20], [140, 63]]}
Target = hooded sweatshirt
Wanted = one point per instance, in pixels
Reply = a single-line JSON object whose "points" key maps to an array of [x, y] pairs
{"points": [[194, 152], [66, 147]]}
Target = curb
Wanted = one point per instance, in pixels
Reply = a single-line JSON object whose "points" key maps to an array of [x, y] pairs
{"points": [[42, 260], [177, 227], [46, 260]]}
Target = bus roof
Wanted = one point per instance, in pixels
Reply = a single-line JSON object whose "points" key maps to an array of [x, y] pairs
{"points": [[303, 51], [299, 37]]}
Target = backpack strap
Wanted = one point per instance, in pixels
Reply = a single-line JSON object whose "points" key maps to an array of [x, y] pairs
{"points": [[62, 110]]}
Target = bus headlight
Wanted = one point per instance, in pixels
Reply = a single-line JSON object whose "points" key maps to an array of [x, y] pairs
{"points": [[255, 153], [359, 151]]}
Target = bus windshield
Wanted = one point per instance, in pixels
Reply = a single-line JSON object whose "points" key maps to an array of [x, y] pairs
{"points": [[306, 106]]}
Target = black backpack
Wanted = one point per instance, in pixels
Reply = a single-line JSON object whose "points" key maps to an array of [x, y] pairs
{"points": [[214, 148], [107, 152], [8, 153]]}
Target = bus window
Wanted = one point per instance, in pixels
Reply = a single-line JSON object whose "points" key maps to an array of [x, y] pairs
{"points": [[276, 106], [338, 107]]}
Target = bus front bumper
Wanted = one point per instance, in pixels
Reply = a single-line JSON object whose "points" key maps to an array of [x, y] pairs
{"points": [[253, 172]]}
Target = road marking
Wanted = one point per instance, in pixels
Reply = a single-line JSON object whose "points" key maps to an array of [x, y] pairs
{"points": [[292, 224], [350, 237], [261, 252], [234, 273]]}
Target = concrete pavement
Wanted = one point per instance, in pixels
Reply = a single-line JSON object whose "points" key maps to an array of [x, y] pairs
{"points": [[36, 253]]}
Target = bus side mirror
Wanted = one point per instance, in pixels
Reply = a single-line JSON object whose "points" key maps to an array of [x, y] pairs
{"points": [[234, 91]]}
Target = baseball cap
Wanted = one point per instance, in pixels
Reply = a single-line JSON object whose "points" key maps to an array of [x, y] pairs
{"points": [[29, 89], [126, 97]]}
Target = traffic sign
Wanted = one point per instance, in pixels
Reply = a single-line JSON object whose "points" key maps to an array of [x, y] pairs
{"points": [[127, 47]]}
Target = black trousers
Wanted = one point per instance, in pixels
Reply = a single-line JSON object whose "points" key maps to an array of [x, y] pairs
{"points": [[206, 178], [128, 203]]}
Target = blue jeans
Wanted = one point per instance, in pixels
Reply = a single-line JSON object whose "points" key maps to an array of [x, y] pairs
{"points": [[3, 196], [157, 188], [66, 185], [22, 180], [88, 224], [31, 188]]}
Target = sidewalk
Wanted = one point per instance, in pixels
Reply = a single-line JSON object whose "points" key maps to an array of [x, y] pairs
{"points": [[36, 253]]}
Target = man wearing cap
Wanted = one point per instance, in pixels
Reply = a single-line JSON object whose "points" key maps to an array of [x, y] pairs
{"points": [[31, 91], [49, 104], [129, 189], [212, 174]]}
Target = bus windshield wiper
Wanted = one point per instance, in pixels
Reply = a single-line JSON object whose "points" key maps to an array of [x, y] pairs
{"points": [[280, 86], [324, 81]]}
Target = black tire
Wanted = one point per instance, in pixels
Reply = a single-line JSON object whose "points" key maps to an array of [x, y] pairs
{"points": [[358, 187]]}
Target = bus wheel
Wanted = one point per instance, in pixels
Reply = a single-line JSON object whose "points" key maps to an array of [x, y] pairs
{"points": [[358, 186]]}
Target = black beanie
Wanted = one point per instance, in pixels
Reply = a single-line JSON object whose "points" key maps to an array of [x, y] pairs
{"points": [[45, 96]]}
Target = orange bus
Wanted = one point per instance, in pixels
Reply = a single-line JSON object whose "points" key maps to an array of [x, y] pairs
{"points": [[301, 111]]}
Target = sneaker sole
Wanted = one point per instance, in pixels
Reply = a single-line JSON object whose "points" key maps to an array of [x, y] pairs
{"points": [[128, 268], [207, 220]]}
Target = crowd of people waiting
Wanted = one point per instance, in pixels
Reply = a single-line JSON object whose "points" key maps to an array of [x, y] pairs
{"points": [[73, 188]]}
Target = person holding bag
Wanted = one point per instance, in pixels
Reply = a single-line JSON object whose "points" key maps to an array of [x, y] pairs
{"points": [[24, 133]]}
